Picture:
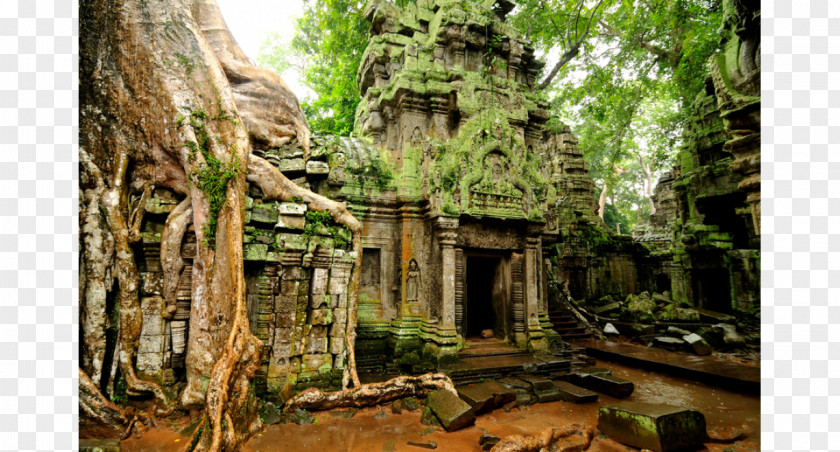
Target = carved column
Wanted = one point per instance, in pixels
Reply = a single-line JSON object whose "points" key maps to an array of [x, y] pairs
{"points": [[536, 337], [459, 290], [447, 334]]}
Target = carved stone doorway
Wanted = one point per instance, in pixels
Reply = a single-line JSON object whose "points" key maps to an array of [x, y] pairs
{"points": [[487, 296]]}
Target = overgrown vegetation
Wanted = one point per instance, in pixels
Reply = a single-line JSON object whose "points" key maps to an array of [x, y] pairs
{"points": [[212, 175], [316, 221], [621, 73], [376, 171]]}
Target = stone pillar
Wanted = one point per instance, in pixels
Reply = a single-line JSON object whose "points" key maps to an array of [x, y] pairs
{"points": [[405, 329], [447, 334], [533, 257]]}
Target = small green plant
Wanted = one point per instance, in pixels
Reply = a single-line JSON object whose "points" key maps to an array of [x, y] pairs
{"points": [[213, 175], [315, 220], [296, 199], [120, 388]]}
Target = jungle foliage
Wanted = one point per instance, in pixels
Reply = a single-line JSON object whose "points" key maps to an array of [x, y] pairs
{"points": [[621, 72]]}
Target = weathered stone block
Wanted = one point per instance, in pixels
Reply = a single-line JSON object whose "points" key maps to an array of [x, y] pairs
{"points": [[337, 329], [316, 345], [149, 363], [284, 320], [291, 165], [314, 167], [290, 222], [576, 394], [149, 343], [320, 317], [661, 428], [320, 276], [336, 345], [697, 344], [478, 397], [291, 208], [316, 301], [608, 384], [543, 389], [670, 343], [606, 309], [452, 412], [256, 252], [314, 361], [264, 213]]}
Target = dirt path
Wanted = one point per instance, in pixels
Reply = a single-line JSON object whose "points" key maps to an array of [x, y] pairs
{"points": [[366, 432]]}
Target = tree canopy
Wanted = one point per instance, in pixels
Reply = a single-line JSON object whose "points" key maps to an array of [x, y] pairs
{"points": [[621, 72]]}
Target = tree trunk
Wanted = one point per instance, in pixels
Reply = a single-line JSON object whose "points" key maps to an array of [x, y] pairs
{"points": [[649, 178], [167, 89]]}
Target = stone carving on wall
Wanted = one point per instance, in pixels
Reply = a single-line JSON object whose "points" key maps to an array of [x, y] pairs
{"points": [[412, 282]]}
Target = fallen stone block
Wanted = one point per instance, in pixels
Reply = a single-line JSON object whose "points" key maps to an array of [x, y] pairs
{"points": [[610, 329], [477, 396], [452, 412], [730, 335], [543, 389], [677, 332], [606, 309], [609, 385], [662, 428], [501, 394], [669, 343], [573, 393], [697, 344]]}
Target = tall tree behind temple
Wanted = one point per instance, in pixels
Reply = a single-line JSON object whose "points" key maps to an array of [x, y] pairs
{"points": [[327, 48]]}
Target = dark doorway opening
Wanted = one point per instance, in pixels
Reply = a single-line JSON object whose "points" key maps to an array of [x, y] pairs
{"points": [[481, 312], [712, 289], [663, 283]]}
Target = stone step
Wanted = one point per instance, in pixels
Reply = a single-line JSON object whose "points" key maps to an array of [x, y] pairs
{"points": [[573, 393], [543, 388], [576, 336], [608, 384]]}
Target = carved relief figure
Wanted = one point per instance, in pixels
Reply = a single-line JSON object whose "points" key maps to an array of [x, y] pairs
{"points": [[416, 137], [412, 283]]}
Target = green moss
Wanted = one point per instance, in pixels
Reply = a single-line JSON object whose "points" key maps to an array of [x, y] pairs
{"points": [[318, 221]]}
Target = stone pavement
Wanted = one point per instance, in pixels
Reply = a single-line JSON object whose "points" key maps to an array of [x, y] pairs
{"points": [[705, 369]]}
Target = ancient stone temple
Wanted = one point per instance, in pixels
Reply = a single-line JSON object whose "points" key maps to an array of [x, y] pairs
{"points": [[707, 225], [475, 206], [464, 181]]}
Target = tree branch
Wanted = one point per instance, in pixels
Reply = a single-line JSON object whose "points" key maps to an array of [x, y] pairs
{"points": [[573, 51]]}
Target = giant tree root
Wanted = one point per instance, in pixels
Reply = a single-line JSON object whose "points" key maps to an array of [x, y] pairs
{"points": [[93, 404], [577, 438], [370, 394]]}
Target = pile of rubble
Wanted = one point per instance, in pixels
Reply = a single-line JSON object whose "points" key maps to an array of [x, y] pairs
{"points": [[657, 320]]}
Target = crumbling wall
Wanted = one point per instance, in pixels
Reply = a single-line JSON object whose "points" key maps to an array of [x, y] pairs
{"points": [[297, 266]]}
